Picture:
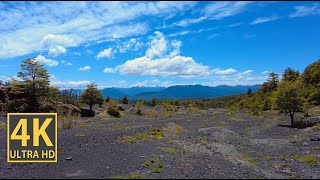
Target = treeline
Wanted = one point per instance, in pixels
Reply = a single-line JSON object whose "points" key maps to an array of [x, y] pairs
{"points": [[31, 92], [294, 92]]}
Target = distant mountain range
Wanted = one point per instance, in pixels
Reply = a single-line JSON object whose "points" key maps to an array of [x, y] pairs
{"points": [[175, 92]]}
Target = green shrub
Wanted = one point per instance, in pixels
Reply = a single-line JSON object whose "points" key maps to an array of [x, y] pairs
{"points": [[139, 105], [112, 109], [125, 100]]}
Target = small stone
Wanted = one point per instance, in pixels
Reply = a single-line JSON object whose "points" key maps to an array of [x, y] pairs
{"points": [[142, 156], [293, 141], [305, 144], [239, 163], [108, 167], [69, 158]]}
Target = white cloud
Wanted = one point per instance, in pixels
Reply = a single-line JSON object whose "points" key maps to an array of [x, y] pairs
{"points": [[58, 40], [85, 68], [306, 11], [213, 36], [158, 46], [163, 59], [215, 11], [68, 24], [66, 63], [57, 50], [265, 72], [70, 84], [264, 19], [48, 62], [105, 53], [246, 72], [108, 70], [133, 44], [224, 72], [235, 24]]}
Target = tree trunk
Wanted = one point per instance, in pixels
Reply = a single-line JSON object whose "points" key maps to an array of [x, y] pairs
{"points": [[90, 107], [291, 118]]}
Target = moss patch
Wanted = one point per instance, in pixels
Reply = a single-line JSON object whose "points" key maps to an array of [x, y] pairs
{"points": [[154, 133], [80, 135], [167, 150], [307, 159]]}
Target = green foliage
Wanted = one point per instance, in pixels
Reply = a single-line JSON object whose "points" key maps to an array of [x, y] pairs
{"points": [[294, 93], [35, 82], [139, 105], [154, 133], [311, 74], [289, 100], [125, 100], [167, 150], [167, 106], [307, 159], [290, 75], [112, 108], [91, 96], [153, 102]]}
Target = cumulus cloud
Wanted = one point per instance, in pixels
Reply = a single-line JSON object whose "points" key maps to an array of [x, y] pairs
{"points": [[45, 61], [56, 51], [224, 72], [105, 53], [163, 58], [108, 70], [85, 68]]}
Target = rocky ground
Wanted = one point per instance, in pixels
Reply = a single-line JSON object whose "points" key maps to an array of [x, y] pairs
{"points": [[188, 143]]}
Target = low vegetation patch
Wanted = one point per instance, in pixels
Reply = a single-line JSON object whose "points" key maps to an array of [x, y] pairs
{"points": [[179, 130], [131, 176], [307, 159], [167, 150], [155, 163], [79, 135], [154, 133]]}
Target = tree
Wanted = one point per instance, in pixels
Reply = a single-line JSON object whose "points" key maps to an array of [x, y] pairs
{"points": [[311, 80], [290, 74], [35, 81], [311, 74], [125, 100], [274, 80], [108, 99], [249, 92], [289, 99], [91, 96]]}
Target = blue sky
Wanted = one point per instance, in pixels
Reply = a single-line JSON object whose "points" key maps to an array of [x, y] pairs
{"points": [[125, 44]]}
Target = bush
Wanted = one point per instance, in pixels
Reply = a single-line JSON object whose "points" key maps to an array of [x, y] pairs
{"points": [[125, 100], [153, 102], [167, 106], [139, 105], [112, 109]]}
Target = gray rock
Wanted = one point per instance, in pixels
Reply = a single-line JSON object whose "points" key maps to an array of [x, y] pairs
{"points": [[305, 144], [69, 158]]}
